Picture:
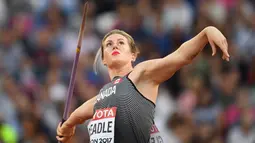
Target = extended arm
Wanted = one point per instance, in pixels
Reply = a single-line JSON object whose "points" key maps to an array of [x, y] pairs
{"points": [[159, 70], [81, 114]]}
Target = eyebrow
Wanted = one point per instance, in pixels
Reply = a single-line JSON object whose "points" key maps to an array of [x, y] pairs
{"points": [[111, 40]]}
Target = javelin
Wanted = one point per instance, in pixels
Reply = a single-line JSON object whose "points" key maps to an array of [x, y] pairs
{"points": [[74, 68]]}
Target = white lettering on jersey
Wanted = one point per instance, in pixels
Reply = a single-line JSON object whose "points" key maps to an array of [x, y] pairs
{"points": [[107, 92], [101, 127]]}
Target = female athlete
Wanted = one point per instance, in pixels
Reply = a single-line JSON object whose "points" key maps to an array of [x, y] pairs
{"points": [[123, 111]]}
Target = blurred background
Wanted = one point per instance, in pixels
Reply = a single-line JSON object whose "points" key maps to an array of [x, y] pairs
{"points": [[208, 101]]}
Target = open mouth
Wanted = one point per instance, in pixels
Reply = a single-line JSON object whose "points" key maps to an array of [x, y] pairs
{"points": [[115, 53]]}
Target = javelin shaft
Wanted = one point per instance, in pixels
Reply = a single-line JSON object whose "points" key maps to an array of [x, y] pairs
{"points": [[75, 63], [74, 68]]}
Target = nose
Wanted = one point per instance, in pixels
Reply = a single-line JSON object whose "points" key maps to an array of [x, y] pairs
{"points": [[115, 46]]}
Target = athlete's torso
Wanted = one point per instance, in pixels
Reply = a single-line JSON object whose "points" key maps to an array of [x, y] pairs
{"points": [[134, 117]]}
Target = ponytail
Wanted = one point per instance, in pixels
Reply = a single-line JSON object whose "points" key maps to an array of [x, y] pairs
{"points": [[97, 61]]}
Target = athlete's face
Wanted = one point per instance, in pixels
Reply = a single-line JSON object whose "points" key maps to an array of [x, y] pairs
{"points": [[117, 51]]}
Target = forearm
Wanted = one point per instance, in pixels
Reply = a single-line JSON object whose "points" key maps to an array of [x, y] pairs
{"points": [[81, 114], [159, 70], [190, 49], [75, 119]]}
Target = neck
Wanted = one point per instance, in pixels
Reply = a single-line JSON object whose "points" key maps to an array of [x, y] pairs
{"points": [[119, 71]]}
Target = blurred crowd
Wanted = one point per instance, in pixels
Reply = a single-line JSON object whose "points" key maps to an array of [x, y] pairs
{"points": [[208, 101]]}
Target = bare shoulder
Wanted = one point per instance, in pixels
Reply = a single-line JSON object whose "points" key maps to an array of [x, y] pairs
{"points": [[142, 71], [142, 82]]}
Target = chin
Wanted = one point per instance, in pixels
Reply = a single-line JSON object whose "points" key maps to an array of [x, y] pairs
{"points": [[116, 62]]}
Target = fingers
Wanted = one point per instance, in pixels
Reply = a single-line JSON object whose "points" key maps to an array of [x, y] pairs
{"points": [[62, 131], [59, 132], [216, 38], [225, 42], [223, 45], [213, 48], [224, 48], [64, 135], [63, 139], [224, 57]]}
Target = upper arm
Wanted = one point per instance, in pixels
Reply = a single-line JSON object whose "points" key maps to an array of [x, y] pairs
{"points": [[149, 74], [160, 70]]}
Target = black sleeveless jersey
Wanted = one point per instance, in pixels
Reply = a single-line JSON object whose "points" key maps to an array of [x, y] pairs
{"points": [[135, 113]]}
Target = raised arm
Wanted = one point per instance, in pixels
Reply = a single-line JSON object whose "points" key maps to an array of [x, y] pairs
{"points": [[79, 116], [159, 70]]}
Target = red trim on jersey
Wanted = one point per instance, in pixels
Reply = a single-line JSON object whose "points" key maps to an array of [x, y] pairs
{"points": [[154, 129]]}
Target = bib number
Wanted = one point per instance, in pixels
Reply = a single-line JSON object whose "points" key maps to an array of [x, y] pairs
{"points": [[101, 127], [155, 135]]}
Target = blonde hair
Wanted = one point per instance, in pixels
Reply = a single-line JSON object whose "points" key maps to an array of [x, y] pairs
{"points": [[100, 54]]}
